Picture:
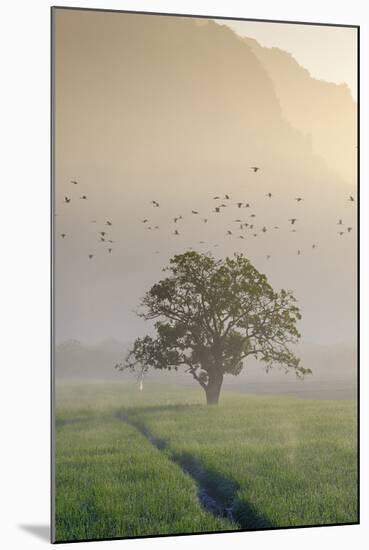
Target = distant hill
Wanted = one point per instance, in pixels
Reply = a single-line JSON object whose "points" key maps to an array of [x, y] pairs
{"points": [[323, 111], [77, 361]]}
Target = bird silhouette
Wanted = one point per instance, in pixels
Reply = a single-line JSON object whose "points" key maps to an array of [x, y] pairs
{"points": [[229, 232], [269, 195], [299, 199], [341, 233], [74, 182], [205, 220], [155, 204], [239, 204], [63, 235], [178, 218], [293, 220], [194, 211], [349, 229], [313, 246], [145, 220], [102, 233], [90, 256], [93, 221], [217, 210], [264, 230], [298, 252], [102, 239], [268, 256], [67, 199], [110, 250], [215, 198], [351, 199], [108, 223], [247, 205], [227, 197], [339, 222], [254, 168], [83, 197], [176, 232], [241, 237], [253, 216]]}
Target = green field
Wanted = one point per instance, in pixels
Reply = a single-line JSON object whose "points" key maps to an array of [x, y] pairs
{"points": [[132, 463]]}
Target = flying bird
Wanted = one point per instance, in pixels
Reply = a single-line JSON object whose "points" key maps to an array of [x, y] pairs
{"points": [[176, 232], [155, 203], [299, 199], [254, 168], [67, 199], [109, 250], [90, 256], [102, 233], [298, 252], [239, 204], [205, 220], [217, 210], [247, 205], [215, 198], [339, 222], [178, 218], [145, 220], [351, 199], [349, 229], [268, 256], [313, 246], [63, 235], [340, 233], [269, 195], [229, 232], [293, 220], [194, 211], [83, 197], [227, 197], [108, 223], [264, 230], [74, 182]]}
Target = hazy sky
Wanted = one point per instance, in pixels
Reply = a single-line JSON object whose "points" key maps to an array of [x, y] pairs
{"points": [[159, 108], [329, 53]]}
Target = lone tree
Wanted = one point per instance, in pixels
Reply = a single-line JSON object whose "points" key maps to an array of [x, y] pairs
{"points": [[210, 316]]}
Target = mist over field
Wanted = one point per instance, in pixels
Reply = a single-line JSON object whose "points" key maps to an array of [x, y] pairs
{"points": [[177, 111]]}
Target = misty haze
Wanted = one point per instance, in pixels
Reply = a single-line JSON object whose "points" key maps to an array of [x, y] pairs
{"points": [[183, 145]]}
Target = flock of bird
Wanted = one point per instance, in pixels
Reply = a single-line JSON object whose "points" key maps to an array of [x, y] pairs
{"points": [[244, 226]]}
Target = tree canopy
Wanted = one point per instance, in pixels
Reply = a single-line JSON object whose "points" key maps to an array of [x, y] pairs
{"points": [[210, 315]]}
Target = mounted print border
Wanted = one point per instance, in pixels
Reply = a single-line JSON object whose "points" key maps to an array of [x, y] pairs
{"points": [[205, 185]]}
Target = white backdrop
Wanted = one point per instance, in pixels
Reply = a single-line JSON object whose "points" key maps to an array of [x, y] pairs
{"points": [[24, 230]]}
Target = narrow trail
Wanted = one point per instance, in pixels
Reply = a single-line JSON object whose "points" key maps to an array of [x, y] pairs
{"points": [[216, 494]]}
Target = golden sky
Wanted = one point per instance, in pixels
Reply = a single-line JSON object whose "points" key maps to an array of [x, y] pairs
{"points": [[329, 53]]}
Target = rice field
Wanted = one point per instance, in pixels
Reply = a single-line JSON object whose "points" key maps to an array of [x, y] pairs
{"points": [[160, 462]]}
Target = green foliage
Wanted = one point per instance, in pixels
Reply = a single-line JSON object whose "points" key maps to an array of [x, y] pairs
{"points": [[210, 315]]}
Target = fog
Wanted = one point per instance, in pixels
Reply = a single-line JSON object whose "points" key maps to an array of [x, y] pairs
{"points": [[157, 108]]}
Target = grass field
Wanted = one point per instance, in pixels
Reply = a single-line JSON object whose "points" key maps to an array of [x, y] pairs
{"points": [[132, 463]]}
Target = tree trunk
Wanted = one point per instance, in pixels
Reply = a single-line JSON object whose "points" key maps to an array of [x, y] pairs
{"points": [[213, 388]]}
